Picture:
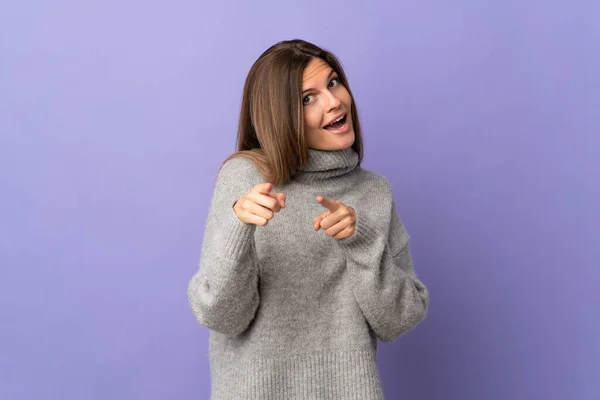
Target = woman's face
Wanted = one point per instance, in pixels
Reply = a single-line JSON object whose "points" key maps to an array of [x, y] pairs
{"points": [[325, 101]]}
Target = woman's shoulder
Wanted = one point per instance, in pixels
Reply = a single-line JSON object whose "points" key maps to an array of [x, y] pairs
{"points": [[237, 164], [239, 170], [376, 182]]}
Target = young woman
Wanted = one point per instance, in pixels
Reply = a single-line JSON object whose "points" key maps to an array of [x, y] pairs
{"points": [[305, 262]]}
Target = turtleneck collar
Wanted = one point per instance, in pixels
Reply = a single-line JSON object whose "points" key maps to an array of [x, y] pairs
{"points": [[324, 164]]}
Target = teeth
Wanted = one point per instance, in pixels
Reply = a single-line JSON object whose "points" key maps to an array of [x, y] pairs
{"points": [[337, 120]]}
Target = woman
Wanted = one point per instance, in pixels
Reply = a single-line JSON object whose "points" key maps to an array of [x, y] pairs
{"points": [[305, 262]]}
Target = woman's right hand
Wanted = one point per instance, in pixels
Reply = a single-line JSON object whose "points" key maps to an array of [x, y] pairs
{"points": [[259, 205]]}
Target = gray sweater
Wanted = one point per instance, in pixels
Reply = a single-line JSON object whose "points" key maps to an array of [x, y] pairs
{"points": [[293, 312]]}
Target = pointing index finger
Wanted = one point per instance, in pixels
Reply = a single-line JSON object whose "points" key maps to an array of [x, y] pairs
{"points": [[263, 188], [331, 205]]}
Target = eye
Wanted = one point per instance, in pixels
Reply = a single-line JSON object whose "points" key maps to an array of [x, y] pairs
{"points": [[307, 100], [334, 82]]}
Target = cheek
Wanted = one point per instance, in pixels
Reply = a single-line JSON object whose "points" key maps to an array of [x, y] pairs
{"points": [[346, 97], [312, 119]]}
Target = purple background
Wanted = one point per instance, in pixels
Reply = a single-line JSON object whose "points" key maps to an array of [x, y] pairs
{"points": [[114, 117]]}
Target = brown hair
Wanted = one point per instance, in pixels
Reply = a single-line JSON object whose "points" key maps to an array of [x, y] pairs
{"points": [[271, 124]]}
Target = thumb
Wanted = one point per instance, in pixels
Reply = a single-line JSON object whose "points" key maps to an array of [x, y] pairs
{"points": [[317, 220], [282, 197]]}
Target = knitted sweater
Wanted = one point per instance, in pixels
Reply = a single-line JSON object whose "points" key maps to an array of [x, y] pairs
{"points": [[293, 312]]}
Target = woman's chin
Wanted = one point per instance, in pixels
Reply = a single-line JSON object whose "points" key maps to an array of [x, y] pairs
{"points": [[339, 143]]}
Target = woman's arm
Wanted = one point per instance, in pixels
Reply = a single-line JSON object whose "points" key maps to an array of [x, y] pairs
{"points": [[223, 294], [391, 297]]}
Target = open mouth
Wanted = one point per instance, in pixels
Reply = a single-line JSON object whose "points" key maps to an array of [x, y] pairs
{"points": [[337, 124]]}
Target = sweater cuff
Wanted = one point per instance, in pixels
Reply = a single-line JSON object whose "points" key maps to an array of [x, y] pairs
{"points": [[235, 236]]}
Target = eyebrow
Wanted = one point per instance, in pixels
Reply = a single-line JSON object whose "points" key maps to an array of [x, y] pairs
{"points": [[331, 72]]}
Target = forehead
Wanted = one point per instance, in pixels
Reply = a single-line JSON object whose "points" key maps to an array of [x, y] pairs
{"points": [[316, 70]]}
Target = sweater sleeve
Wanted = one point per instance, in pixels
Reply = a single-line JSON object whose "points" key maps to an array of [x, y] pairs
{"points": [[223, 293], [391, 297]]}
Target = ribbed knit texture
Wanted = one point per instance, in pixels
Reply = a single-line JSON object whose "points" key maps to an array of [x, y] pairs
{"points": [[293, 312]]}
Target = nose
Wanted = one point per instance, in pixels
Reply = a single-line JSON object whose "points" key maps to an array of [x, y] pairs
{"points": [[333, 102]]}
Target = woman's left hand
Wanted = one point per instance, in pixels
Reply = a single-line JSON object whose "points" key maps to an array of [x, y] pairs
{"points": [[338, 221]]}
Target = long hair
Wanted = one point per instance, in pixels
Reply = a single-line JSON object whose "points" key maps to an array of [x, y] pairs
{"points": [[271, 122]]}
